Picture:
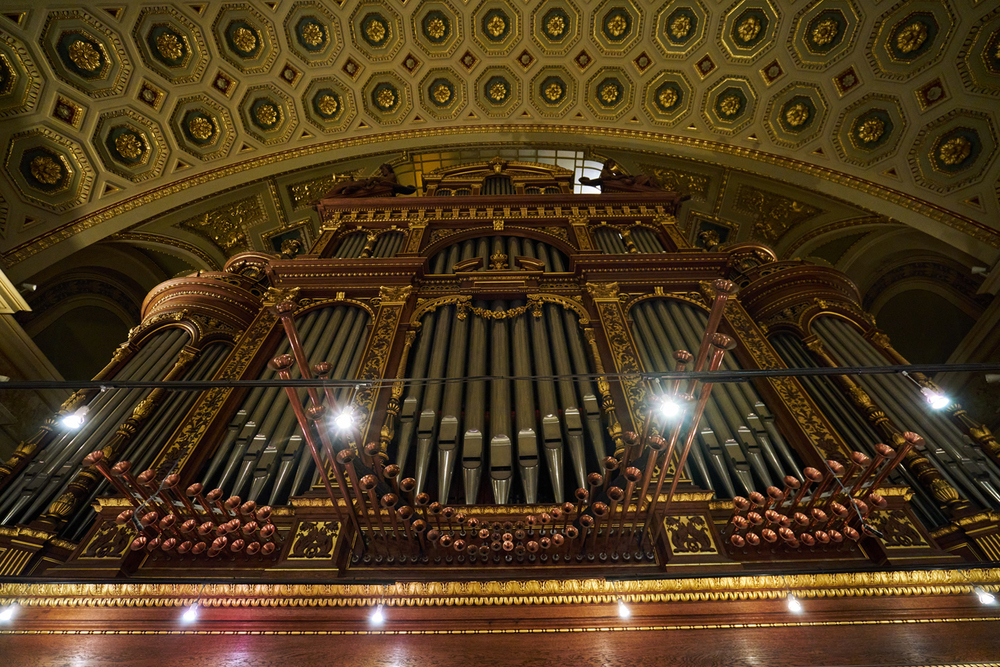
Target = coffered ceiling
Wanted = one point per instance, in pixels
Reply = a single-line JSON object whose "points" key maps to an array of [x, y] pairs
{"points": [[134, 121]]}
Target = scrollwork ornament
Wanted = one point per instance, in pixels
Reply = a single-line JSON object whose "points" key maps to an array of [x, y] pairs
{"points": [[602, 290]]}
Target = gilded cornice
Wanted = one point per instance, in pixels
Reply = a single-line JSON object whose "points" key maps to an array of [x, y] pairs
{"points": [[959, 222], [513, 592]]}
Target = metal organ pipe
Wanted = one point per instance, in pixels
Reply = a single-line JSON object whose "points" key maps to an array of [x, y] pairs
{"points": [[451, 412], [475, 410], [501, 462], [524, 400], [427, 423]]}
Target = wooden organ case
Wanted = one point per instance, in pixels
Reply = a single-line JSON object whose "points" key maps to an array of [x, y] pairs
{"points": [[495, 408]]}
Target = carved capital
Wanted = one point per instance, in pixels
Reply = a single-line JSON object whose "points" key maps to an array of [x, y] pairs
{"points": [[603, 290], [273, 296], [394, 294]]}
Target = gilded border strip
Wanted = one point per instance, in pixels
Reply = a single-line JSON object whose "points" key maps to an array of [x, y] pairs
{"points": [[487, 593], [956, 221]]}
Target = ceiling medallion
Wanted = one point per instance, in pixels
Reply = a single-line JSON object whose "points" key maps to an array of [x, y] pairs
{"points": [[797, 114], [244, 39], [616, 25], [311, 33], [375, 30], [956, 150], [441, 92], [497, 89], [610, 92], [555, 24], [730, 103], [201, 128], [266, 113], [553, 90], [991, 53], [681, 25], [385, 97], [912, 37], [169, 46], [871, 129], [826, 31], [327, 103], [128, 145], [45, 170], [668, 96], [7, 76], [750, 28], [83, 54], [436, 27], [496, 25]]}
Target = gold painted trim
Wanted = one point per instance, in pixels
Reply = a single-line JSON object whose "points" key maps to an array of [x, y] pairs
{"points": [[933, 211], [523, 592]]}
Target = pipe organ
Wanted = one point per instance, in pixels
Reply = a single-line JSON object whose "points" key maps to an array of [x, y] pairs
{"points": [[481, 378]]}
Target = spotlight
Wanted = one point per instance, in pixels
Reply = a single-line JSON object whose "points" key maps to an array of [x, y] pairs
{"points": [[985, 597], [669, 408], [344, 421], [190, 615], [623, 611], [378, 616], [794, 605], [8, 613], [937, 401], [75, 419]]}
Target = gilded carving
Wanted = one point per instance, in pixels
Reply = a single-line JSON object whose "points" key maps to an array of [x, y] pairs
{"points": [[268, 114], [912, 37], [609, 93], [377, 353], [749, 28], [275, 295], [376, 30], [955, 150], [797, 114], [667, 97], [603, 290], [436, 28], [110, 541], [623, 350], [774, 213], [496, 25], [617, 26], [442, 93], [394, 294], [689, 535], [825, 32], [201, 128], [129, 145], [46, 170], [553, 92], [386, 99], [730, 105], [313, 34], [897, 529], [555, 26], [226, 226], [871, 130], [314, 539], [244, 39], [680, 26], [84, 55], [169, 46], [498, 91]]}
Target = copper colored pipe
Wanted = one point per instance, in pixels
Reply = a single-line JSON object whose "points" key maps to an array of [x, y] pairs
{"points": [[835, 469], [122, 469], [656, 447], [610, 464], [171, 482], [723, 289], [594, 481], [284, 311], [368, 484], [721, 343], [419, 526], [421, 501], [631, 440], [632, 476], [912, 440], [405, 513], [323, 370], [567, 510], [391, 472], [316, 413], [215, 497], [586, 523], [674, 436], [346, 458], [96, 459], [862, 461], [600, 511], [811, 477], [388, 501], [615, 494], [194, 491]]}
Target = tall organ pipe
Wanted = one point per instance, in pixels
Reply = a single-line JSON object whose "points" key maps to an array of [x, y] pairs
{"points": [[451, 411], [543, 356], [427, 425], [588, 395], [501, 463], [524, 411], [959, 462], [475, 410], [411, 404], [49, 484]]}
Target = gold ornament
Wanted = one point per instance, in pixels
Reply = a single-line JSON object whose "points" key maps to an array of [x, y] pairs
{"points": [[436, 28], [609, 93], [553, 92], [797, 114], [327, 105], [375, 30], [749, 29], [555, 26], [313, 34], [825, 32], [441, 93], [912, 37], [129, 145], [201, 128], [169, 46], [267, 114], [871, 130], [680, 26], [955, 151], [730, 105], [84, 55], [667, 98], [496, 25], [386, 99], [498, 91], [617, 26], [244, 39], [46, 170]]}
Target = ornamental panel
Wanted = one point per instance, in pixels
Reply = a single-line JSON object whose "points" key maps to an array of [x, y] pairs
{"points": [[85, 53], [616, 26], [729, 105], [170, 44], [130, 145], [329, 104], [825, 32], [909, 38], [437, 28], [268, 114], [443, 93], [49, 170], [610, 93], [668, 98], [680, 27], [20, 81], [202, 127], [556, 26], [553, 91], [496, 27], [498, 91], [953, 151], [387, 98], [869, 130], [313, 33], [748, 29], [246, 38], [376, 30], [796, 114]]}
